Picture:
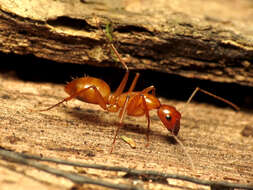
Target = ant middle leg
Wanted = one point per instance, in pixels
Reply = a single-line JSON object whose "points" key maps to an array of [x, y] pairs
{"points": [[120, 124], [123, 110], [148, 89], [122, 85], [147, 116], [134, 82]]}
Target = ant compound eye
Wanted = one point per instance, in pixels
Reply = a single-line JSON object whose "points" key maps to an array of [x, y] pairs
{"points": [[168, 117]]}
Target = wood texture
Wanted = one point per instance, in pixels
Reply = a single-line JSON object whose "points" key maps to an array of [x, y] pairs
{"points": [[214, 138], [191, 39]]}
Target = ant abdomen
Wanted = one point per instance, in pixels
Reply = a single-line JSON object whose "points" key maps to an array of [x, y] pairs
{"points": [[90, 87]]}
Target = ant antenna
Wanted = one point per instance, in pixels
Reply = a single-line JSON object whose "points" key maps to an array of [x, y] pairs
{"points": [[187, 103], [210, 94], [185, 151]]}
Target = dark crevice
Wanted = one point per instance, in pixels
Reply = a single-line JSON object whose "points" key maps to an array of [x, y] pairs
{"points": [[31, 68], [132, 29], [73, 23]]}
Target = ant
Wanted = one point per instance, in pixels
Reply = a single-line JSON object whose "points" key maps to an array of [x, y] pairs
{"points": [[133, 103]]}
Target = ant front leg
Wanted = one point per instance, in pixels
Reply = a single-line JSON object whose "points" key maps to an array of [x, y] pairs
{"points": [[135, 104]]}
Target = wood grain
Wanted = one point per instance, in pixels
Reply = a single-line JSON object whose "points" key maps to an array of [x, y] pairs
{"points": [[83, 132]]}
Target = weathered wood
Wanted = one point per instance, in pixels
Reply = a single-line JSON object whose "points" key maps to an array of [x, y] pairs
{"points": [[149, 35], [83, 132], [186, 39]]}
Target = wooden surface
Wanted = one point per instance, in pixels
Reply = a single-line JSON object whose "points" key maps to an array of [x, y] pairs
{"points": [[191, 39], [204, 40], [83, 132]]}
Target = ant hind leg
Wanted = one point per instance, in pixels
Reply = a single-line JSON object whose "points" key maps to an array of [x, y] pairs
{"points": [[98, 96]]}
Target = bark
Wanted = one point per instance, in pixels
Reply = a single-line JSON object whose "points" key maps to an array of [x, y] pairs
{"points": [[196, 40]]}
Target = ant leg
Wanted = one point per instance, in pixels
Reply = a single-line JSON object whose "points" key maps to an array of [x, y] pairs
{"points": [[109, 36], [147, 116], [121, 116], [134, 82], [113, 98], [118, 55], [99, 97], [213, 95], [135, 103], [122, 85], [148, 89], [123, 110]]}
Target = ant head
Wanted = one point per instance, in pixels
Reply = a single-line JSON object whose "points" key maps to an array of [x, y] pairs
{"points": [[170, 118]]}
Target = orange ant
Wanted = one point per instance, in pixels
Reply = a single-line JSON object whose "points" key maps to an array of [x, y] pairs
{"points": [[96, 91], [133, 103]]}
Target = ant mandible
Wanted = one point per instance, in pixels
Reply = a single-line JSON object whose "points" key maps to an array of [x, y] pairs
{"points": [[133, 103]]}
